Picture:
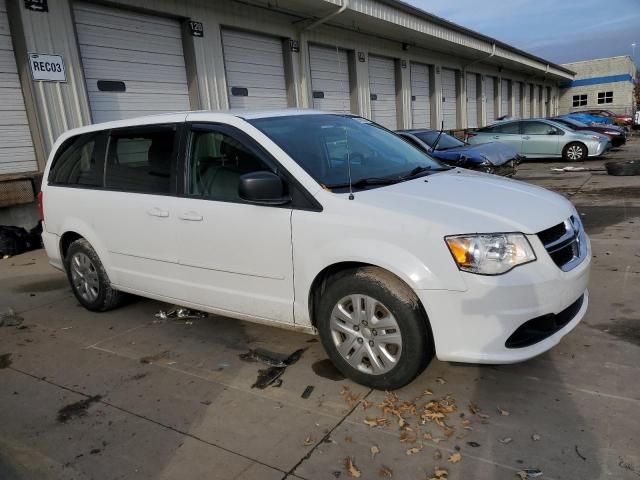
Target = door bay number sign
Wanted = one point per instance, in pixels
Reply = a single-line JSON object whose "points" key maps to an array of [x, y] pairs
{"points": [[47, 67]]}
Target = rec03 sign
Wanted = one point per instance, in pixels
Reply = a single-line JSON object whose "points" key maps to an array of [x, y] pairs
{"points": [[48, 68]]}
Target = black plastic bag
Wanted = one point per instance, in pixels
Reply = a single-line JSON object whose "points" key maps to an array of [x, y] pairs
{"points": [[16, 240]]}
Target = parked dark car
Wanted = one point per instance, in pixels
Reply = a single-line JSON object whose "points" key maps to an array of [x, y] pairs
{"points": [[491, 157], [616, 135]]}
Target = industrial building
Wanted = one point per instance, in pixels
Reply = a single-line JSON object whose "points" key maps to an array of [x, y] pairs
{"points": [[603, 83], [66, 63]]}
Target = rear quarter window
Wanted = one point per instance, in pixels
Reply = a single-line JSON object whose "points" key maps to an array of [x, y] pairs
{"points": [[78, 162]]}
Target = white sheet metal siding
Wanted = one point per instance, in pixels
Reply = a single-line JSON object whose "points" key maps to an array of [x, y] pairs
{"points": [[517, 99], [490, 97], [540, 102], [505, 98], [16, 146], [547, 101], [330, 79], [472, 100], [256, 63], [420, 96], [143, 51], [382, 86], [449, 99]]}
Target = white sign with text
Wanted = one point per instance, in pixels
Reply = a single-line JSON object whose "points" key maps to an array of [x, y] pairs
{"points": [[47, 67]]}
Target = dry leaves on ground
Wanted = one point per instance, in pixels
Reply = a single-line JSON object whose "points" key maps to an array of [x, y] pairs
{"points": [[308, 441], [439, 474], [376, 422], [351, 398], [385, 472], [506, 440], [502, 412], [535, 437], [352, 470], [374, 451], [454, 457], [414, 450]]}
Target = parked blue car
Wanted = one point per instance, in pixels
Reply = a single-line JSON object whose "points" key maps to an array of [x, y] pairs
{"points": [[493, 157], [589, 119]]}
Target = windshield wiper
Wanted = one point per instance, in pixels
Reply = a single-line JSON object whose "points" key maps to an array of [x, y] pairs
{"points": [[365, 182], [418, 170]]}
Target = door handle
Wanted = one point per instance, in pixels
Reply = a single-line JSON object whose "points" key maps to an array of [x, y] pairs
{"points": [[191, 217], [158, 212], [526, 137]]}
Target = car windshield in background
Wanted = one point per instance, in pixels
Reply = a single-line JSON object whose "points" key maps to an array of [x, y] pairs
{"points": [[327, 146], [444, 143]]}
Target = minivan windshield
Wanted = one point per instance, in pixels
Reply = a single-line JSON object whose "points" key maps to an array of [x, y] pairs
{"points": [[329, 146], [444, 143]]}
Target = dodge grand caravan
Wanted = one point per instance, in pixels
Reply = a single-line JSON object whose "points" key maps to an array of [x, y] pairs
{"points": [[321, 222]]}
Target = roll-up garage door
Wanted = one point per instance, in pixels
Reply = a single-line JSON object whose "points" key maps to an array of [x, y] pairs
{"points": [[505, 98], [254, 65], [330, 79], [517, 100], [547, 101], [133, 63], [449, 99], [382, 86], [540, 102], [490, 95], [532, 101], [472, 100], [420, 96], [16, 147]]}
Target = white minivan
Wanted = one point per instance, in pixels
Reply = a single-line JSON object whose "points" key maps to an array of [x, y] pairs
{"points": [[325, 223]]}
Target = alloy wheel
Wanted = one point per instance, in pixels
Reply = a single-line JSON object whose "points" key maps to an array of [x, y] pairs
{"points": [[84, 277], [574, 152], [366, 334]]}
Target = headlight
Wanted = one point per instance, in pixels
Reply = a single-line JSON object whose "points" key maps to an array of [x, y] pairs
{"points": [[490, 253]]}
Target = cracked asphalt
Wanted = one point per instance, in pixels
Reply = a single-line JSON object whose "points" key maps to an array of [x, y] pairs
{"points": [[191, 413]]}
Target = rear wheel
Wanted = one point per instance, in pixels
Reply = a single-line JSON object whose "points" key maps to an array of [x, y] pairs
{"points": [[88, 278], [575, 152], [373, 328]]}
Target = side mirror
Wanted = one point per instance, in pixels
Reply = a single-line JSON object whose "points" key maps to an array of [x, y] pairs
{"points": [[263, 188]]}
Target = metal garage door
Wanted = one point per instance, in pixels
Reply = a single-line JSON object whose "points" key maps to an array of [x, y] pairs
{"points": [[382, 86], [547, 101], [472, 100], [532, 101], [517, 100], [330, 79], [420, 96], [505, 98], [133, 63], [490, 95], [449, 99], [540, 102], [16, 146], [254, 65]]}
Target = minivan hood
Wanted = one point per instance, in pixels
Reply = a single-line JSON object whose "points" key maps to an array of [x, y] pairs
{"points": [[464, 201]]}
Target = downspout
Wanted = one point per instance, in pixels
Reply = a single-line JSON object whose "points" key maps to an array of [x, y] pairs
{"points": [[326, 18]]}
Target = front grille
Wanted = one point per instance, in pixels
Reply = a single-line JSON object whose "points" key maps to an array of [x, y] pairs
{"points": [[539, 328], [565, 242]]}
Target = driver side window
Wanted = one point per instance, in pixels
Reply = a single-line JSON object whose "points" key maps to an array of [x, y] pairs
{"points": [[216, 163]]}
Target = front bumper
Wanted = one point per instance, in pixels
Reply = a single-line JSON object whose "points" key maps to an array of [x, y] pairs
{"points": [[602, 148], [474, 326]]}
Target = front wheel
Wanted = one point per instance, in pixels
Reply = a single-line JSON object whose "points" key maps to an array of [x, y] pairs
{"points": [[575, 152], [373, 328]]}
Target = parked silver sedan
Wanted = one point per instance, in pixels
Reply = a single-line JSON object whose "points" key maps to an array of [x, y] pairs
{"points": [[541, 138]]}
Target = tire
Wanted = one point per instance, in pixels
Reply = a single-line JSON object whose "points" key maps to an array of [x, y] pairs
{"points": [[388, 309], [88, 278], [630, 167], [575, 152]]}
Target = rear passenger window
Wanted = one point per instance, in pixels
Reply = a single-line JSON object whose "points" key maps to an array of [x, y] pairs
{"points": [[141, 160], [77, 163], [513, 127]]}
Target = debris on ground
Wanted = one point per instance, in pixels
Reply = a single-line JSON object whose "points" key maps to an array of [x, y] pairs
{"points": [[307, 392], [352, 470], [502, 412], [414, 450], [17, 240], [580, 455], [5, 360], [77, 409], [154, 358], [627, 466], [10, 319], [529, 473], [374, 451], [578, 169], [506, 440], [441, 380], [308, 441], [181, 313], [376, 422], [439, 474], [454, 457], [385, 472], [535, 437], [473, 444], [271, 376], [351, 398]]}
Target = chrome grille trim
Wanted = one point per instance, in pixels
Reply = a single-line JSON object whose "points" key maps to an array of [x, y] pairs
{"points": [[568, 248]]}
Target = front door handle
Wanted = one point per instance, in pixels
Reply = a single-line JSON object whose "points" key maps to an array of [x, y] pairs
{"points": [[526, 137], [191, 217], [158, 212]]}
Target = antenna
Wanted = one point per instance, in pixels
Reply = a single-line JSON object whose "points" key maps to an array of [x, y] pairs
{"points": [[346, 135], [435, 144]]}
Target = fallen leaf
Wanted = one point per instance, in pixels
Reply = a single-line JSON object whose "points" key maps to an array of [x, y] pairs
{"points": [[441, 380], [374, 451], [535, 437], [473, 408], [455, 457], [352, 471], [366, 404], [308, 441], [413, 450], [483, 415], [506, 440], [376, 422], [427, 392], [440, 473], [448, 432], [529, 473], [385, 472], [466, 424], [406, 437], [502, 412]]}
